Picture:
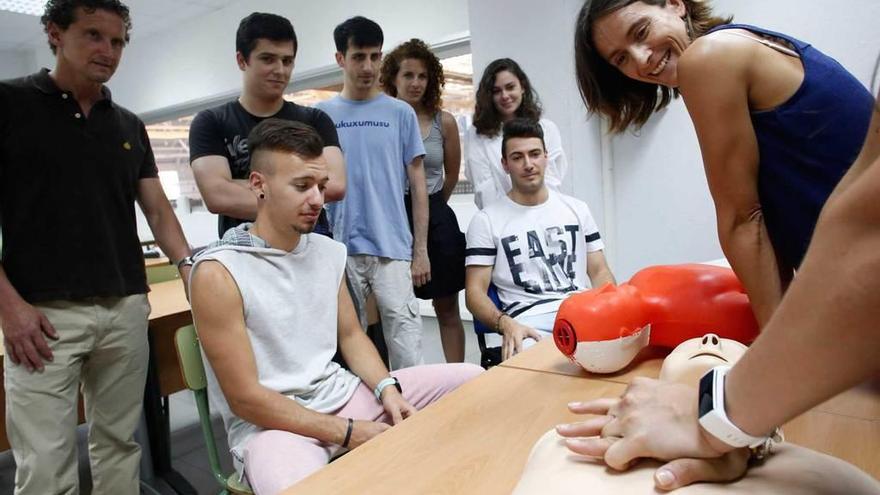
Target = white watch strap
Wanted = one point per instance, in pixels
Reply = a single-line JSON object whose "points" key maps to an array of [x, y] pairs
{"points": [[716, 421], [381, 386]]}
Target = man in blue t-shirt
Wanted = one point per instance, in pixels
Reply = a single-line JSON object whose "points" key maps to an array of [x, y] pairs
{"points": [[383, 149]]}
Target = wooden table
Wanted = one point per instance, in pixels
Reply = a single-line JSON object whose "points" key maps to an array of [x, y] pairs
{"points": [[860, 402], [151, 262], [170, 310], [477, 439]]}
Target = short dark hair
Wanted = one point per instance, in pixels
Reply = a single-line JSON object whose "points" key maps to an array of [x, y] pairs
{"points": [[286, 136], [360, 31], [418, 50], [62, 13], [262, 26], [604, 89], [487, 120], [521, 127]]}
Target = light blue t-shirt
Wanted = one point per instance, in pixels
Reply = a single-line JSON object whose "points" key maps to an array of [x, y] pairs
{"points": [[379, 137]]}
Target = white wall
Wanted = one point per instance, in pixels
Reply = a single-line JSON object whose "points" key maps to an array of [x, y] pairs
{"points": [[16, 63], [661, 209], [197, 62]]}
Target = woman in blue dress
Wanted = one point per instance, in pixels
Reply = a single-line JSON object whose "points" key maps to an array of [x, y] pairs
{"points": [[779, 123]]}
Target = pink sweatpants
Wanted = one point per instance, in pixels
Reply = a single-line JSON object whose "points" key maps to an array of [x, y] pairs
{"points": [[275, 460]]}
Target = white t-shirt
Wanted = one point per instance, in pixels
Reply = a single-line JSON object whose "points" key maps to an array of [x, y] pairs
{"points": [[538, 253], [483, 164]]}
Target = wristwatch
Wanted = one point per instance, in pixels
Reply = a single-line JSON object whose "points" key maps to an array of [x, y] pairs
{"points": [[185, 261], [713, 417], [384, 383]]}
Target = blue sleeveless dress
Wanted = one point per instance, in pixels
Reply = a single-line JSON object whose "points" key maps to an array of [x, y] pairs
{"points": [[806, 145]]}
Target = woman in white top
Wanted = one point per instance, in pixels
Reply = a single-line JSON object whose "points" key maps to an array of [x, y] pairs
{"points": [[412, 73], [504, 93]]}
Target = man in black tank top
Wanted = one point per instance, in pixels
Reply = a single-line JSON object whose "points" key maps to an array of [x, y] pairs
{"points": [[266, 47]]}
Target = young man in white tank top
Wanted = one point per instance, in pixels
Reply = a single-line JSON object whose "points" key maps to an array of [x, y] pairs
{"points": [[270, 305]]}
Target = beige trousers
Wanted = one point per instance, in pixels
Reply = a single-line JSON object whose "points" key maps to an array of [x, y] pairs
{"points": [[391, 282], [103, 348]]}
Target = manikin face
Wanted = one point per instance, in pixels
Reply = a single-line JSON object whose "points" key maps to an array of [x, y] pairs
{"points": [[525, 161], [644, 41], [293, 189], [361, 66], [693, 358], [507, 93], [268, 69], [91, 46], [411, 81]]}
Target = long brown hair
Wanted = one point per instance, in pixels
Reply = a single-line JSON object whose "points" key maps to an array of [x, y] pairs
{"points": [[415, 49], [604, 89], [487, 120]]}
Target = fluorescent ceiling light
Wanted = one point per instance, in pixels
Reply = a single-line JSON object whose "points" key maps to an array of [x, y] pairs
{"points": [[29, 7]]}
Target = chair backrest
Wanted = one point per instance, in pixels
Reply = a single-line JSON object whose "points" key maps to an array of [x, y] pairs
{"points": [[190, 356]]}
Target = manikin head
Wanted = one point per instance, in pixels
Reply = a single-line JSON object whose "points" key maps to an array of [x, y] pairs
{"points": [[693, 358], [87, 36], [265, 49], [523, 155], [603, 329], [288, 173]]}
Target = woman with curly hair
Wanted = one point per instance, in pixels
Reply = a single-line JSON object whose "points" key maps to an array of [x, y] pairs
{"points": [[412, 73], [505, 92], [779, 123]]}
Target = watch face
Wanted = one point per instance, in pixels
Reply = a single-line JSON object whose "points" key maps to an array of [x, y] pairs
{"points": [[705, 397]]}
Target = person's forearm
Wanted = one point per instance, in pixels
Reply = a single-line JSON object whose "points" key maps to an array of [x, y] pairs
{"points": [[166, 229], [271, 410], [823, 338], [603, 277], [483, 309], [362, 357], [335, 189], [419, 195], [449, 184], [747, 246], [232, 198]]}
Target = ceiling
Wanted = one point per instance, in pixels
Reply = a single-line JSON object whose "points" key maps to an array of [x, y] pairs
{"points": [[24, 32]]}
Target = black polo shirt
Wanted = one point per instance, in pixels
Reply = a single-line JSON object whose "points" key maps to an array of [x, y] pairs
{"points": [[68, 186]]}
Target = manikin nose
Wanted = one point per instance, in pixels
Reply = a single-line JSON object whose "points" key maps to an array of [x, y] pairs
{"points": [[710, 342]]}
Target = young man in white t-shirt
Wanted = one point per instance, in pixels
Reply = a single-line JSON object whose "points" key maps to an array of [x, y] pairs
{"points": [[535, 245]]}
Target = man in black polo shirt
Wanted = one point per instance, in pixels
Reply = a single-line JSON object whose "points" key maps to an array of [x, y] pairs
{"points": [[265, 46], [73, 303]]}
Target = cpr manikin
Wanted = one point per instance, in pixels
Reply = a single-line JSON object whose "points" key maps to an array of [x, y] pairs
{"points": [[552, 468], [603, 329]]}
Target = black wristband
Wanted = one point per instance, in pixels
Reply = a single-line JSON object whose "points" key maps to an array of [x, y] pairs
{"points": [[348, 433]]}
